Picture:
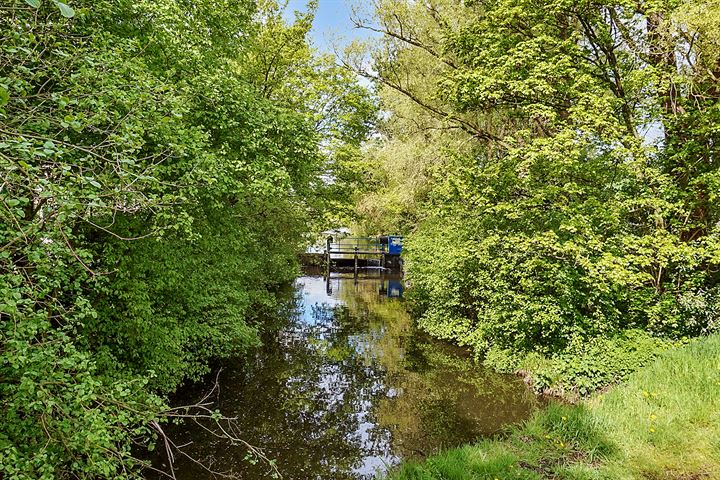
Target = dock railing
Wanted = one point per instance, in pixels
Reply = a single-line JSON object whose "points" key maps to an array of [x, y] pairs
{"points": [[359, 245]]}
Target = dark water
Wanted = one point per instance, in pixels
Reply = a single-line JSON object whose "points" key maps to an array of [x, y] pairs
{"points": [[347, 387]]}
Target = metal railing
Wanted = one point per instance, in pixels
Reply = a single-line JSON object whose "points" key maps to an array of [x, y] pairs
{"points": [[360, 245]]}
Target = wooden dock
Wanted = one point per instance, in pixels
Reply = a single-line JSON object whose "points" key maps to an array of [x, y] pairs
{"points": [[356, 252]]}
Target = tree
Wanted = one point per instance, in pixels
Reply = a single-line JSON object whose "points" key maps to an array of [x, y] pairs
{"points": [[581, 208], [154, 192]]}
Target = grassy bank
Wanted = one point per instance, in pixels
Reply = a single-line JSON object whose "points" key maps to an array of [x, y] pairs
{"points": [[662, 423]]}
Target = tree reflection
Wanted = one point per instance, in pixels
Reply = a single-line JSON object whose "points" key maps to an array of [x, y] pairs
{"points": [[345, 384]]}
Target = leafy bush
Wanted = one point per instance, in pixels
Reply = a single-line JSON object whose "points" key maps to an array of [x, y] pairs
{"points": [[156, 184], [585, 366]]}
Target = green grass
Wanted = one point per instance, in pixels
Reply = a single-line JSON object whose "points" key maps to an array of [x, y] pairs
{"points": [[663, 423]]}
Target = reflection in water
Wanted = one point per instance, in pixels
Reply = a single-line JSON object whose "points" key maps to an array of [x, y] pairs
{"points": [[346, 386]]}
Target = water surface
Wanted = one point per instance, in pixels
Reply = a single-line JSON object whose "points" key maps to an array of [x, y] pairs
{"points": [[346, 386]]}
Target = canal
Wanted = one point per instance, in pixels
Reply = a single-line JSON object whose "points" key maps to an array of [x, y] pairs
{"points": [[345, 386]]}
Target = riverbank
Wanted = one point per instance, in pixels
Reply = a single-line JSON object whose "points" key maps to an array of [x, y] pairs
{"points": [[662, 423]]}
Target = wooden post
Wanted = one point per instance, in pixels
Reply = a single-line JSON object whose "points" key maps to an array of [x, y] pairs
{"points": [[356, 261], [327, 252]]}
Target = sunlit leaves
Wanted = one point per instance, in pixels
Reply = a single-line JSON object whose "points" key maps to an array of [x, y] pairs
{"points": [[142, 176], [595, 215], [65, 9]]}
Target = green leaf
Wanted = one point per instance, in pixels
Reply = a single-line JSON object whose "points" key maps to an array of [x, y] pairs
{"points": [[65, 10], [33, 3], [4, 96]]}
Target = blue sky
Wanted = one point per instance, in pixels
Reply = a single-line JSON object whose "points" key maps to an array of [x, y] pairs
{"points": [[332, 23]]}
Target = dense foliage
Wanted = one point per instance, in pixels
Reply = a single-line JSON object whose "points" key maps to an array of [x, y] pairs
{"points": [[160, 165], [555, 165]]}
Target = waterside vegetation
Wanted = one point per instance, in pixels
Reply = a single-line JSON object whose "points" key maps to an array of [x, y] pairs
{"points": [[662, 423], [561, 158], [554, 168], [148, 152]]}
